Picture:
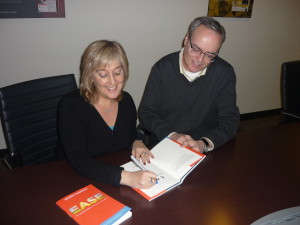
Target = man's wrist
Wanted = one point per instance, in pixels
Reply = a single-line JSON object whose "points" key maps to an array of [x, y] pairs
{"points": [[205, 148], [208, 146]]}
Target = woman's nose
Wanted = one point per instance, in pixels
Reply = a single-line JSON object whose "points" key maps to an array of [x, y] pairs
{"points": [[112, 79]]}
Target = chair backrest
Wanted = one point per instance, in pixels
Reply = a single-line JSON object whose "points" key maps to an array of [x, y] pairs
{"points": [[28, 116], [290, 84]]}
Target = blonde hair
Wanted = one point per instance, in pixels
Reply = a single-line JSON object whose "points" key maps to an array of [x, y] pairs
{"points": [[100, 54]]}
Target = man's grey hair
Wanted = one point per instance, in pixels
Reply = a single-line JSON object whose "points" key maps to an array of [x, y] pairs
{"points": [[209, 23]]}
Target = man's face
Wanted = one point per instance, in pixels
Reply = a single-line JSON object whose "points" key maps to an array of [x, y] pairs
{"points": [[200, 49]]}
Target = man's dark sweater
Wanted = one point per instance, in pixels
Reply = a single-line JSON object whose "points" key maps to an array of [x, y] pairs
{"points": [[205, 107]]}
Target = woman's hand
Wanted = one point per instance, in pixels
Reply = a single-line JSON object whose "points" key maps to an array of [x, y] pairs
{"points": [[141, 152], [140, 179]]}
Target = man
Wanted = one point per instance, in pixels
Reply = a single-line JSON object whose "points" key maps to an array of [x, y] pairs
{"points": [[190, 95]]}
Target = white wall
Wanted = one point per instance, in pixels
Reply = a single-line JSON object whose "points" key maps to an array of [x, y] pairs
{"points": [[148, 30]]}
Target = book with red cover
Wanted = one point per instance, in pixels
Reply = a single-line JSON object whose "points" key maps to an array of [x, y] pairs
{"points": [[172, 163], [89, 206]]}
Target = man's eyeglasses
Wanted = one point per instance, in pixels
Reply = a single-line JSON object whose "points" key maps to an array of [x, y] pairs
{"points": [[207, 56]]}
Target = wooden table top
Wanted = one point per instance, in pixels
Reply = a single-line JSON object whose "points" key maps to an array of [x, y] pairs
{"points": [[254, 174]]}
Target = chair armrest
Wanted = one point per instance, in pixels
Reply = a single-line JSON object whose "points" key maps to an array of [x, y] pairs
{"points": [[286, 117], [4, 156], [291, 114], [143, 134]]}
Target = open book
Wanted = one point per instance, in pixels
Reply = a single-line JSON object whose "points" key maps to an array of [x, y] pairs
{"points": [[90, 206], [171, 162]]}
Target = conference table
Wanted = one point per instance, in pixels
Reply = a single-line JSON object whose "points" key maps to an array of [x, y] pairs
{"points": [[254, 174]]}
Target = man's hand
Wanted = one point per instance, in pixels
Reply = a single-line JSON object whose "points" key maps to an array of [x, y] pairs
{"points": [[187, 140], [179, 137], [196, 145]]}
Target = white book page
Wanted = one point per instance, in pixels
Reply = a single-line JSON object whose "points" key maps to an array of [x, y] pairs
{"points": [[123, 218], [164, 180], [175, 160]]}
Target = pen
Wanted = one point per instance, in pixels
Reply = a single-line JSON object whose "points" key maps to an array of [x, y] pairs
{"points": [[140, 165]]}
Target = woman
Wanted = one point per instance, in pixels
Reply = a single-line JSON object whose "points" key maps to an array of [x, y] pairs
{"points": [[101, 118]]}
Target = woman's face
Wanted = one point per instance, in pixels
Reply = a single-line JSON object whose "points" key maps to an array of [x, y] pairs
{"points": [[109, 80]]}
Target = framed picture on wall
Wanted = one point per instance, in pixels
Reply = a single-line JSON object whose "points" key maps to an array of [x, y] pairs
{"points": [[230, 8], [32, 8]]}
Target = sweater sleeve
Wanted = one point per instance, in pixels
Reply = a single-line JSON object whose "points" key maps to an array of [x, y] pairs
{"points": [[149, 114], [228, 113], [73, 121]]}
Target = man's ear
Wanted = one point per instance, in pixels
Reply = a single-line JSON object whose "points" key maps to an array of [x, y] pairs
{"points": [[185, 40]]}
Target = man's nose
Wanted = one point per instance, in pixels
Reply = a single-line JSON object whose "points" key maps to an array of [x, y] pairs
{"points": [[200, 57]]}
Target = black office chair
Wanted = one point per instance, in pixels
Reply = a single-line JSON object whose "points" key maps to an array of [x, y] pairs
{"points": [[290, 87], [28, 113]]}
